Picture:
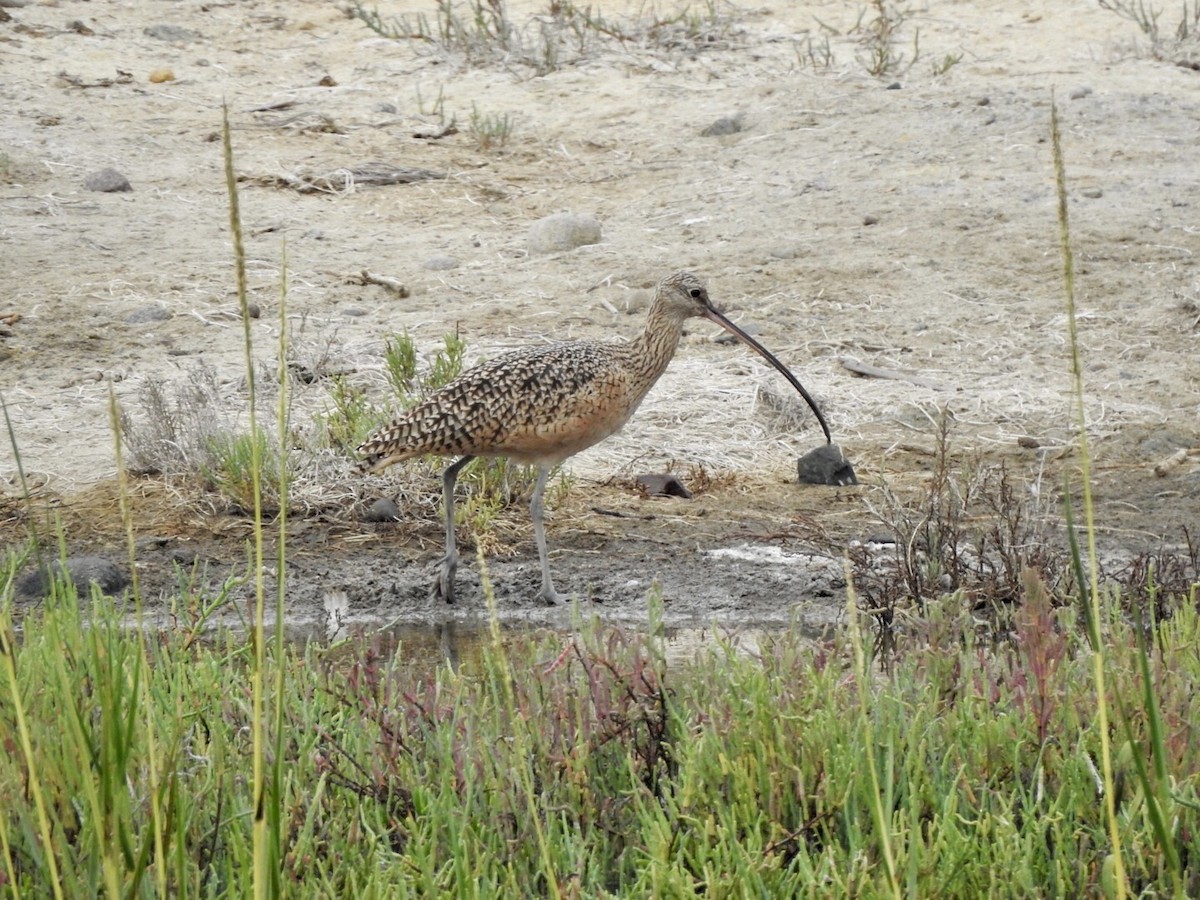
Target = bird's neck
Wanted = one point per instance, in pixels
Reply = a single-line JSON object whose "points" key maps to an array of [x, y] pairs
{"points": [[655, 346]]}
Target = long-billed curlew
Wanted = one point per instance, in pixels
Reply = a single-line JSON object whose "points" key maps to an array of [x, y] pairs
{"points": [[541, 405]]}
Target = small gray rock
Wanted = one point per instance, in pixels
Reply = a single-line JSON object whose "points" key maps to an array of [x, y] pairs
{"points": [[171, 33], [353, 312], [724, 125], [441, 263], [107, 181], [826, 465], [562, 231], [1092, 193], [382, 510], [152, 313], [1163, 442], [787, 251], [80, 570], [1080, 92]]}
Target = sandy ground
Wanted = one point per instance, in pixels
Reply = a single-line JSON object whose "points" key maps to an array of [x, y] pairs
{"points": [[907, 222]]}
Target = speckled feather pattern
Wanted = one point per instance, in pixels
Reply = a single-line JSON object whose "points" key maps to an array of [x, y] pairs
{"points": [[542, 404]]}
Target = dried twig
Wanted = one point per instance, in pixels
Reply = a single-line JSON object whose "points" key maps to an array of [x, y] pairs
{"points": [[385, 281]]}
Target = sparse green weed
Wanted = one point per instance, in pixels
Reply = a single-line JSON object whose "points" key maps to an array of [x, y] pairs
{"points": [[1142, 14], [400, 363], [230, 469], [447, 364], [351, 417], [814, 53], [946, 63], [437, 108], [489, 130], [493, 486], [1175, 44], [880, 52], [481, 32]]}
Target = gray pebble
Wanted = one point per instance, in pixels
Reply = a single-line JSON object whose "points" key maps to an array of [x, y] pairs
{"points": [[386, 108], [353, 312], [441, 263], [1163, 442], [171, 33], [870, 220], [108, 181], [1092, 193], [724, 125], [382, 510], [1080, 92], [562, 231], [825, 465], [153, 313], [81, 570], [253, 310], [787, 251]]}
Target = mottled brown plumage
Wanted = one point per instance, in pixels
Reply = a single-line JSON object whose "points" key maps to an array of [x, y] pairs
{"points": [[544, 404]]}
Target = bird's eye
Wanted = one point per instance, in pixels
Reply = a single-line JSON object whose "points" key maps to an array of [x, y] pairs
{"points": [[695, 292]]}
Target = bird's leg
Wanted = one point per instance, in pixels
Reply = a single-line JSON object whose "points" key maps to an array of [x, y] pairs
{"points": [[536, 509], [443, 585]]}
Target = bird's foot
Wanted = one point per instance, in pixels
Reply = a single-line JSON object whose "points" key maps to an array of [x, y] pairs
{"points": [[443, 584], [551, 597]]}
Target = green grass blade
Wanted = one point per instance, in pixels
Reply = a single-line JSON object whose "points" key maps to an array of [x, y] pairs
{"points": [[281, 567], [49, 848], [861, 677], [266, 869], [1091, 626], [1098, 661]]}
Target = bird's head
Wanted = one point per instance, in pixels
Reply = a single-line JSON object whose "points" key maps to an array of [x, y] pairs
{"points": [[683, 295]]}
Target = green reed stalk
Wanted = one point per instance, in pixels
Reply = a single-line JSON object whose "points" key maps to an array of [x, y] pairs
{"points": [[266, 873], [499, 668], [1098, 662], [8, 662], [152, 750], [882, 825], [281, 567]]}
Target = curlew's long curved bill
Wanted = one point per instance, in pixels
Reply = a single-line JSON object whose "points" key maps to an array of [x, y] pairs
{"points": [[711, 314]]}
